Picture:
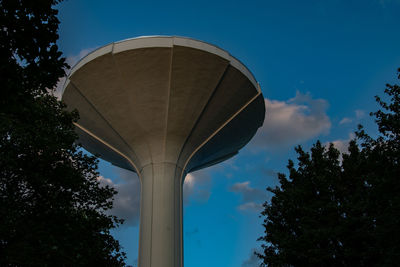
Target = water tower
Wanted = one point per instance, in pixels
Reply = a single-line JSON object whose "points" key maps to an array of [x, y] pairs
{"points": [[163, 107]]}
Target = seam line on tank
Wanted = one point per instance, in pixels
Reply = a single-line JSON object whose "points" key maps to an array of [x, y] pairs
{"points": [[203, 110], [152, 211], [168, 104], [220, 128], [165, 138], [108, 145], [104, 119], [187, 139]]}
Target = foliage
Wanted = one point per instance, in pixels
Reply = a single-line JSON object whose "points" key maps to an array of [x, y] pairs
{"points": [[340, 212], [52, 207]]}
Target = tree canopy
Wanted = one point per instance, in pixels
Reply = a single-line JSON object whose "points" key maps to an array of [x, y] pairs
{"points": [[52, 207], [340, 210]]}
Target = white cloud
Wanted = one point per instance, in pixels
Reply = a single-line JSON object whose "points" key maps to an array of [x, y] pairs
{"points": [[251, 206], [127, 200], [290, 122], [197, 187], [358, 115], [341, 144], [248, 193], [105, 181], [252, 198], [345, 120], [73, 59]]}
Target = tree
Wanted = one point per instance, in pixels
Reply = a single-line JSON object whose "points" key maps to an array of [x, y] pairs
{"points": [[333, 212], [382, 176], [52, 207]]}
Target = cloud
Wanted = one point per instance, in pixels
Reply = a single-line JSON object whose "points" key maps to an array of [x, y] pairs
{"points": [[358, 115], [127, 200], [73, 59], [341, 144], [345, 120], [252, 261], [248, 193], [197, 187], [105, 181], [290, 122], [251, 206], [251, 197]]}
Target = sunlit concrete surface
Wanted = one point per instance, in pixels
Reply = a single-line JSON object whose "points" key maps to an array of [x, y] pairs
{"points": [[163, 107]]}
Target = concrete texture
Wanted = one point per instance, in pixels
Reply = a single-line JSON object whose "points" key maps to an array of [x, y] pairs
{"points": [[162, 107]]}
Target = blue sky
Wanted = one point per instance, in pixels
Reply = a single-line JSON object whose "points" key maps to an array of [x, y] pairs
{"points": [[319, 64]]}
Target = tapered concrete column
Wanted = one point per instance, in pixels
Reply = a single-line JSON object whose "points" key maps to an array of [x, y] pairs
{"points": [[160, 240]]}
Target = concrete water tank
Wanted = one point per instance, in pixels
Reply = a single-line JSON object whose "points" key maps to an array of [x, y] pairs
{"points": [[163, 107]]}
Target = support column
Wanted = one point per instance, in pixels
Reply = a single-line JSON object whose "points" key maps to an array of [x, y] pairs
{"points": [[160, 238]]}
